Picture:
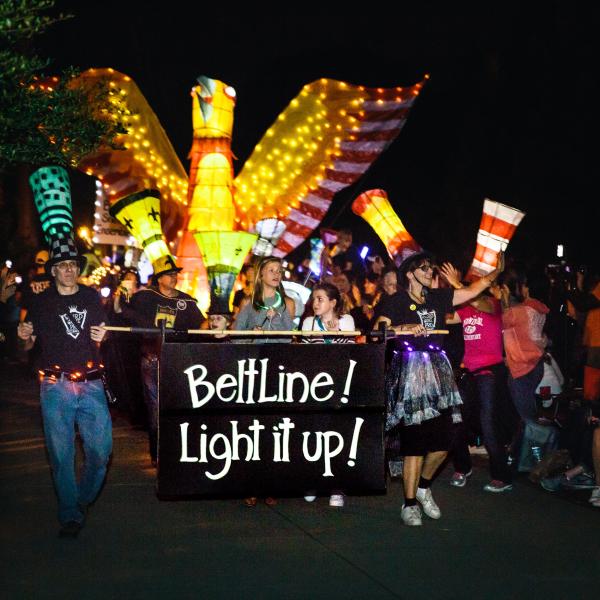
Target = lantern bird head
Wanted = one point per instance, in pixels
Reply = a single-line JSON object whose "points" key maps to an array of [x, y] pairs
{"points": [[212, 111]]}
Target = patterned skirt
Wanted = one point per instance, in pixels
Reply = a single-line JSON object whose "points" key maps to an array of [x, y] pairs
{"points": [[418, 386]]}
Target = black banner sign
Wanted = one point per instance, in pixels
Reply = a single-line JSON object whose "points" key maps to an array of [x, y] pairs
{"points": [[270, 419]]}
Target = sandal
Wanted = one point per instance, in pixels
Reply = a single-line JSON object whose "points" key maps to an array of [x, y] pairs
{"points": [[250, 502], [270, 501]]}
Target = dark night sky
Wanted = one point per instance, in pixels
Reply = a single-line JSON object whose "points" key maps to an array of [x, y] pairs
{"points": [[505, 114]]}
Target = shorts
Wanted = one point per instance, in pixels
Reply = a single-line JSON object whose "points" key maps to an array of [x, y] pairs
{"points": [[432, 435]]}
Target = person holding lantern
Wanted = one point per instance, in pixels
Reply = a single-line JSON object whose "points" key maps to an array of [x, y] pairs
{"points": [[422, 397], [161, 302]]}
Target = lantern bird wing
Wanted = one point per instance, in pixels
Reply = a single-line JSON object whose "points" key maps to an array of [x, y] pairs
{"points": [[148, 160], [324, 141]]}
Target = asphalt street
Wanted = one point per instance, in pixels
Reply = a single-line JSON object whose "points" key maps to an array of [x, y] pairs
{"points": [[527, 543]]}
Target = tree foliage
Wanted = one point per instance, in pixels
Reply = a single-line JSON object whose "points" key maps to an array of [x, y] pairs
{"points": [[46, 120]]}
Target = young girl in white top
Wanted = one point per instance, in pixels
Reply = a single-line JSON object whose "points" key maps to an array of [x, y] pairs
{"points": [[327, 305]]}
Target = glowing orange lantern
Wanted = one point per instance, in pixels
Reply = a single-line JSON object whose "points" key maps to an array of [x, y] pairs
{"points": [[374, 207]]}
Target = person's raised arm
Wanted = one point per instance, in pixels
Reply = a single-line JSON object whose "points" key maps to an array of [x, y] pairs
{"points": [[466, 293]]}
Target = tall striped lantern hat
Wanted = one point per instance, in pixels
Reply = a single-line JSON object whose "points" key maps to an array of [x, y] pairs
{"points": [[498, 224], [52, 196], [140, 213], [223, 253], [375, 208]]}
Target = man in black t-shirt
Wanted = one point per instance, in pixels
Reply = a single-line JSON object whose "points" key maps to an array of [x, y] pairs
{"points": [[161, 302], [67, 320]]}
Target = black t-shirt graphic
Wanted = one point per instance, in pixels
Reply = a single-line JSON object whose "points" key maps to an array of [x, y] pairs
{"points": [[401, 309], [62, 326]]}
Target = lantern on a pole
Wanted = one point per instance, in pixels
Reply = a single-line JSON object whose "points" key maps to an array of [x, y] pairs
{"points": [[269, 231], [375, 208], [140, 213], [52, 197], [223, 254], [498, 225]]}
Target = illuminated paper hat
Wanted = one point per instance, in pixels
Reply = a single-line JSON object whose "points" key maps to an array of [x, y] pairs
{"points": [[63, 248], [374, 207], [52, 196], [140, 213], [164, 265], [269, 231], [223, 253], [498, 224]]}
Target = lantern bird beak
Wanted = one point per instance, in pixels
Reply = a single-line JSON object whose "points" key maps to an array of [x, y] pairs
{"points": [[207, 87]]}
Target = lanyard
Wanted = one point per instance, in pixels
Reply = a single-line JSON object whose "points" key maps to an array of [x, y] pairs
{"points": [[322, 327]]}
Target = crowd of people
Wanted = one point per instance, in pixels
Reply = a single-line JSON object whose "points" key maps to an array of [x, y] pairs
{"points": [[466, 365]]}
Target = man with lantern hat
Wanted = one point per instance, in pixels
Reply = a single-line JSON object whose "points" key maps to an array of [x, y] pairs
{"points": [[162, 301], [67, 321]]}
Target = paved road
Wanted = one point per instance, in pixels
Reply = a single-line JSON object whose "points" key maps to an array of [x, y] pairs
{"points": [[525, 544]]}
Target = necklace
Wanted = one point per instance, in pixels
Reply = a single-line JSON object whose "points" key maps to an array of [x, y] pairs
{"points": [[418, 299], [278, 302]]}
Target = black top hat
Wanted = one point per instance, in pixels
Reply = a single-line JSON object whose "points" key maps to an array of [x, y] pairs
{"points": [[219, 306], [413, 260], [63, 248]]}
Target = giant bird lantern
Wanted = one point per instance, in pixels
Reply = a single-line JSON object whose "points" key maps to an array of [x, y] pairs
{"points": [[324, 141], [210, 216], [498, 224], [374, 207]]}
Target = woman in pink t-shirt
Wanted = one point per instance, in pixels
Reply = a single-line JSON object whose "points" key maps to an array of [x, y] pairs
{"points": [[485, 385]]}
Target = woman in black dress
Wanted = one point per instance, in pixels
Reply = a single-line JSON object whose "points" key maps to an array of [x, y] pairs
{"points": [[422, 397]]}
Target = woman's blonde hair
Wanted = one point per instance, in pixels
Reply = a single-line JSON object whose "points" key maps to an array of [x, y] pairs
{"points": [[257, 292]]}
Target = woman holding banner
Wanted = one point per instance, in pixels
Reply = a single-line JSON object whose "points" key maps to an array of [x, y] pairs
{"points": [[327, 308], [422, 397], [269, 309]]}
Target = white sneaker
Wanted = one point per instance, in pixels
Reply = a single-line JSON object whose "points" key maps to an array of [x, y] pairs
{"points": [[595, 497], [430, 508], [411, 516], [310, 498], [336, 500]]}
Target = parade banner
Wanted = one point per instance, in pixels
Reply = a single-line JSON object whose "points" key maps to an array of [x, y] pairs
{"points": [[244, 420]]}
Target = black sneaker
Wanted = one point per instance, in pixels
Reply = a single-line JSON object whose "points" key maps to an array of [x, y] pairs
{"points": [[70, 529]]}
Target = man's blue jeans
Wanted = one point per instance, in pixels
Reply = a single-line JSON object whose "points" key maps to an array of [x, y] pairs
{"points": [[66, 404]]}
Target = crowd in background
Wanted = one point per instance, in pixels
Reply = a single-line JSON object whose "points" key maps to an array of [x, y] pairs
{"points": [[565, 299]]}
